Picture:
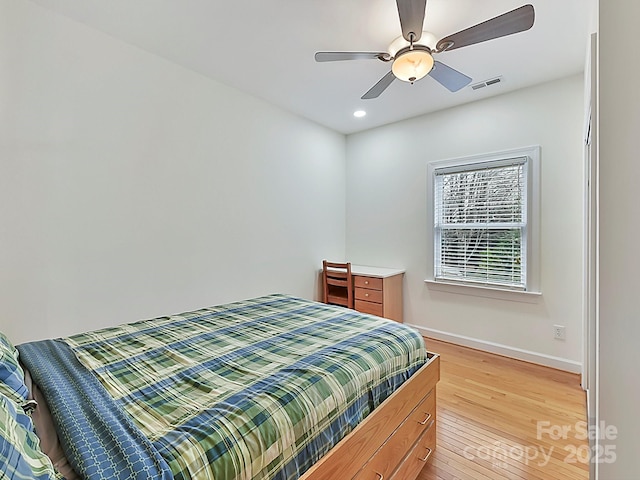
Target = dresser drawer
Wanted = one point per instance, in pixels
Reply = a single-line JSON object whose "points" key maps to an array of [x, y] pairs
{"points": [[368, 282], [369, 307], [391, 455], [418, 457], [369, 295]]}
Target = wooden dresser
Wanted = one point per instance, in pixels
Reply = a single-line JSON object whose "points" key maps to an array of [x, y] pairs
{"points": [[378, 291]]}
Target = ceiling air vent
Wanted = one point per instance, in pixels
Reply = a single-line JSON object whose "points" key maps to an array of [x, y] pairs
{"points": [[486, 83]]}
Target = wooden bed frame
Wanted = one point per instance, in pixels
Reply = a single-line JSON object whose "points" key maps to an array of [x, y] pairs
{"points": [[395, 441]]}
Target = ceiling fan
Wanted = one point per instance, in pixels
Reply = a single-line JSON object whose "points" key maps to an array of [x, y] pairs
{"points": [[412, 53]]}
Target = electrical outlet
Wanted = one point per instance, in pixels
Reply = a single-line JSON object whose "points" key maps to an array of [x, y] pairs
{"points": [[559, 332]]}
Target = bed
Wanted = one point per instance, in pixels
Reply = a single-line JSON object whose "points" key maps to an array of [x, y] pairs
{"points": [[275, 387]]}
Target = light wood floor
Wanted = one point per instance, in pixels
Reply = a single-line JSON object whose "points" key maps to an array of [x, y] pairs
{"points": [[490, 410]]}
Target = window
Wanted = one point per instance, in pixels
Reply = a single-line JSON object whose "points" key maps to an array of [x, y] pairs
{"points": [[484, 220]]}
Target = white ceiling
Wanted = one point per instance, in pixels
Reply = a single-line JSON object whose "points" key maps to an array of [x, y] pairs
{"points": [[266, 48]]}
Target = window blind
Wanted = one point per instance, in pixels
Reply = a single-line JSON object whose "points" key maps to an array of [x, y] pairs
{"points": [[480, 223]]}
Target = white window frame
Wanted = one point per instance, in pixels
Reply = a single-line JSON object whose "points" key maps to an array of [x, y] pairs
{"points": [[531, 232]]}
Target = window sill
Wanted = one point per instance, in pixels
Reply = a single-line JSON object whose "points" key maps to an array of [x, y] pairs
{"points": [[486, 292]]}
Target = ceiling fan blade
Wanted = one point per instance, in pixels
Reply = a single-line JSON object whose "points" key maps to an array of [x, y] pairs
{"points": [[338, 56], [515, 21], [449, 77], [411, 13], [381, 86]]}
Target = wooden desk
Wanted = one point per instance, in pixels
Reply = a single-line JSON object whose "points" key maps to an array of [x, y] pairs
{"points": [[378, 291]]}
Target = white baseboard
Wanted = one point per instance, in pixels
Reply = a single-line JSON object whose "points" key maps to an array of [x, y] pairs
{"points": [[505, 350]]}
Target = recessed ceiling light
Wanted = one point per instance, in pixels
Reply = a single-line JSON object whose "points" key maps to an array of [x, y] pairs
{"points": [[359, 113]]}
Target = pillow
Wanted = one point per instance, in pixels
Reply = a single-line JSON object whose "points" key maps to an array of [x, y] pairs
{"points": [[20, 452], [11, 374]]}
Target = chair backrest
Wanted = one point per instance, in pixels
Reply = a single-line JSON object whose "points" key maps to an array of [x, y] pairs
{"points": [[338, 283]]}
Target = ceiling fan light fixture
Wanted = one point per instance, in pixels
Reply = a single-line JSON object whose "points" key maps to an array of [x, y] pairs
{"points": [[412, 64]]}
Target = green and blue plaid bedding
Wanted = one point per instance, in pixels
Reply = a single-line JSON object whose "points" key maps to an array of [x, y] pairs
{"points": [[258, 389], [20, 454], [99, 439]]}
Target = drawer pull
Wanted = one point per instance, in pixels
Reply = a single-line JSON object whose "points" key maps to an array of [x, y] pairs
{"points": [[380, 476], [366, 294], [424, 422], [426, 457], [366, 282]]}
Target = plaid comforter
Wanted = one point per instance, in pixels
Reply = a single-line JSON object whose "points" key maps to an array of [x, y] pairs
{"points": [[258, 389]]}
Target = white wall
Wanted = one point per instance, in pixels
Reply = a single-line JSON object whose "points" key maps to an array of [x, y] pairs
{"points": [[619, 216], [131, 187], [386, 215]]}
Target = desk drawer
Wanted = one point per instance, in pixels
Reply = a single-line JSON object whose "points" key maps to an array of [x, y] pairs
{"points": [[369, 295], [368, 282], [369, 307]]}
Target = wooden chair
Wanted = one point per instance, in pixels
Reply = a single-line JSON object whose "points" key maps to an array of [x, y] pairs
{"points": [[338, 283]]}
